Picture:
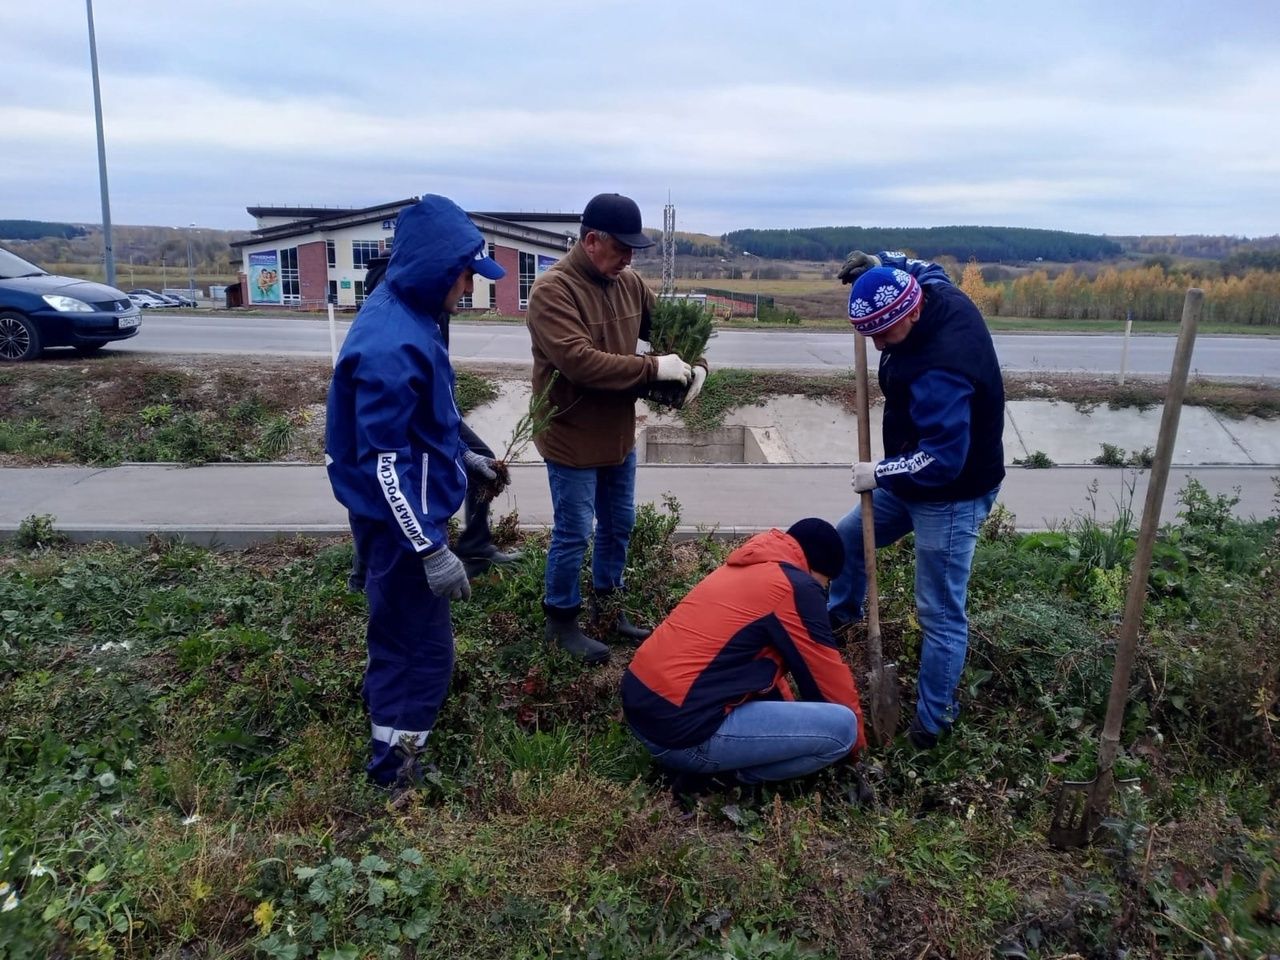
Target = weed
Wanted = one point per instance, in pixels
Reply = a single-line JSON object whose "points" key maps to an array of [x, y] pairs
{"points": [[277, 437], [38, 532], [472, 391], [1038, 460], [1111, 456]]}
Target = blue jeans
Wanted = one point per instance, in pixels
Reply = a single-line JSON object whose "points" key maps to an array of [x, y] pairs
{"points": [[768, 740], [946, 535], [579, 496]]}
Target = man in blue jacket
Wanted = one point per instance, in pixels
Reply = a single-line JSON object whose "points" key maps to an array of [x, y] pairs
{"points": [[943, 464], [397, 464]]}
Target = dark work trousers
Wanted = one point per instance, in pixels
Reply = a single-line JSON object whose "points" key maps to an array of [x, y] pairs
{"points": [[476, 539], [410, 643]]}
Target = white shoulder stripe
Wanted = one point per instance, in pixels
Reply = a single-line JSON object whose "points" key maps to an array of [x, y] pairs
{"points": [[899, 465], [389, 482]]}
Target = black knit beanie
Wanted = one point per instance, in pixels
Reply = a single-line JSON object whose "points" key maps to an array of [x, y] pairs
{"points": [[821, 545]]}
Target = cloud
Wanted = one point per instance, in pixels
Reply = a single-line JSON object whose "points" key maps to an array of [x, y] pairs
{"points": [[985, 113]]}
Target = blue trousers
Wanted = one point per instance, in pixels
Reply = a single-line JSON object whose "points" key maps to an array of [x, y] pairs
{"points": [[410, 641], [946, 535], [581, 496], [769, 740]]}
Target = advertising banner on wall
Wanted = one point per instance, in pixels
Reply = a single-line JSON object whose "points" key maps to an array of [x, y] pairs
{"points": [[545, 263], [264, 277]]}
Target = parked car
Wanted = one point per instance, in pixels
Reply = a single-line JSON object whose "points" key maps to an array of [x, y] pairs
{"points": [[147, 302], [168, 299], [39, 309], [152, 298]]}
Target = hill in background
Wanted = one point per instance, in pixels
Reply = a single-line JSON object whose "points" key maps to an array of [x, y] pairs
{"points": [[72, 248]]}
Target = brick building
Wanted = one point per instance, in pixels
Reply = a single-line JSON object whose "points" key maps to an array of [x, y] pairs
{"points": [[309, 256]]}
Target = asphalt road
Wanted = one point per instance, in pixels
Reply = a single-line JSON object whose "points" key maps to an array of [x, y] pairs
{"points": [[1246, 358]]}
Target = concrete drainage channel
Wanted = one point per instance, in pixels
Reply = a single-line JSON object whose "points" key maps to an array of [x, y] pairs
{"points": [[734, 444]]}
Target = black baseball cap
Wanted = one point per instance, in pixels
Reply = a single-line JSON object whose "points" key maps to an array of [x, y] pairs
{"points": [[617, 216]]}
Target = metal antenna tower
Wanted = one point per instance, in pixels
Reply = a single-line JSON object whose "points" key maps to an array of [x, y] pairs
{"points": [[668, 248]]}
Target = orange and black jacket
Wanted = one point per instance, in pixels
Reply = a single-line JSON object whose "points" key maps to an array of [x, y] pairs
{"points": [[735, 638]]}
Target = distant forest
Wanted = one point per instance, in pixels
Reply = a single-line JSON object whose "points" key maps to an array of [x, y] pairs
{"points": [[987, 244], [999, 245], [38, 229]]}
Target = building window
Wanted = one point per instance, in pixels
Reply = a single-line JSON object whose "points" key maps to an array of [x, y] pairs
{"points": [[362, 251], [290, 284], [528, 271], [359, 288], [331, 251], [333, 291], [493, 284], [465, 303]]}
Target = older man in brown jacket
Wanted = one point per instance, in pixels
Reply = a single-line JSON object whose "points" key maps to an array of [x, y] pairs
{"points": [[586, 317]]}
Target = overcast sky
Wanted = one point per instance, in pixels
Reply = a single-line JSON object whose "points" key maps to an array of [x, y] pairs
{"points": [[1119, 117]]}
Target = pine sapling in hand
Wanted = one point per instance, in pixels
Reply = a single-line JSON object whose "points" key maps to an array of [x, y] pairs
{"points": [[531, 423]]}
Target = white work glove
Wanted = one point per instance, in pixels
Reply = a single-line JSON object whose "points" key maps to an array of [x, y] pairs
{"points": [[856, 264], [864, 476], [699, 378], [478, 465], [446, 576], [671, 367]]}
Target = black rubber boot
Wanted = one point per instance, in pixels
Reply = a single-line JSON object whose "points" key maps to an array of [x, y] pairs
{"points": [[563, 629], [478, 563], [921, 738], [604, 603]]}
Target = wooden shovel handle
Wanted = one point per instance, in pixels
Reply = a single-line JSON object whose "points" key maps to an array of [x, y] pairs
{"points": [[875, 652]]}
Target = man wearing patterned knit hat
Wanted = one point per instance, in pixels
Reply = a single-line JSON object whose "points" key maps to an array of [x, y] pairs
{"points": [[943, 464]]}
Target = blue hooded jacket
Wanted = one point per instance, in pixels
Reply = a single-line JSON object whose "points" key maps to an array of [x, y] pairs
{"points": [[391, 437]]}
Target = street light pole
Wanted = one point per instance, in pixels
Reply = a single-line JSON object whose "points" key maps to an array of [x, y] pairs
{"points": [[755, 273], [191, 277], [108, 255]]}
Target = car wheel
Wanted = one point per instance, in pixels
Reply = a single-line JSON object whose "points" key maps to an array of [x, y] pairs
{"points": [[19, 338], [88, 349]]}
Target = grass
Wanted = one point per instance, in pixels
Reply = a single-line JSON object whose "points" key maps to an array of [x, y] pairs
{"points": [[111, 409], [183, 737], [157, 409]]}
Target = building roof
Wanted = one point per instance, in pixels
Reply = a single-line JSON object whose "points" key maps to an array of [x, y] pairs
{"points": [[574, 218], [320, 219]]}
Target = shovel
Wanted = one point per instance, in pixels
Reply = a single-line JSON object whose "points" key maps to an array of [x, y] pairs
{"points": [[882, 678], [1082, 805]]}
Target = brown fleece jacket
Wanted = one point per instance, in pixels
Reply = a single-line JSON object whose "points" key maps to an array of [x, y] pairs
{"points": [[587, 327]]}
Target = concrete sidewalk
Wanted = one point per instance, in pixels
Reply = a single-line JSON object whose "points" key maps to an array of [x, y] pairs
{"points": [[235, 504]]}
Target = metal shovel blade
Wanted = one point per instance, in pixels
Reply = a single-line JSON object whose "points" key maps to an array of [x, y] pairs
{"points": [[882, 689], [1073, 818], [1080, 809]]}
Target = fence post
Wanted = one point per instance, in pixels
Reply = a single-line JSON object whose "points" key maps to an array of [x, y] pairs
{"points": [[333, 337], [1124, 351]]}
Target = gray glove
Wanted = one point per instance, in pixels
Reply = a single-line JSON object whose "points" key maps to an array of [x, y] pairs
{"points": [[479, 465], [671, 367], [695, 388], [864, 476], [856, 264], [446, 576]]}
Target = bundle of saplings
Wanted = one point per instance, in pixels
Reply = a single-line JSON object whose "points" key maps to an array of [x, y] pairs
{"points": [[682, 327]]}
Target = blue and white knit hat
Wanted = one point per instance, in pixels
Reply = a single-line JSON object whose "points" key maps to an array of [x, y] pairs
{"points": [[880, 298]]}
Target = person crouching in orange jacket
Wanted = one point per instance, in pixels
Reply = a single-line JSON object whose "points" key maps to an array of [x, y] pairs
{"points": [[708, 692]]}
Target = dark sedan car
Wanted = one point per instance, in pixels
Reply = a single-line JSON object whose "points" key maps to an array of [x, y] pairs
{"points": [[38, 310]]}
